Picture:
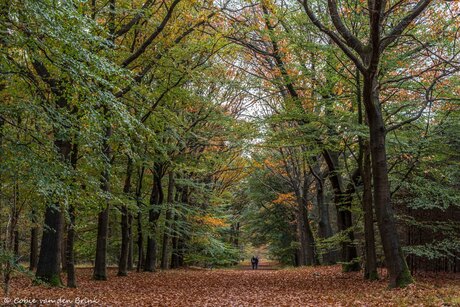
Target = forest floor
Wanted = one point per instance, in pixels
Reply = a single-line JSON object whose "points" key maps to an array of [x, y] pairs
{"points": [[268, 286]]}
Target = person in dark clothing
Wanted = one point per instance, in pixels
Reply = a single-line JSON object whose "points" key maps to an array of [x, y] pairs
{"points": [[255, 262]]}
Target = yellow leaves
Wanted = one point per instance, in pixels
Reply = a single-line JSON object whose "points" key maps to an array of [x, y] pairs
{"points": [[284, 198], [212, 221], [339, 90]]}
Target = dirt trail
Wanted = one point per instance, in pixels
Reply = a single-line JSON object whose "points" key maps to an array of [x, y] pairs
{"points": [[269, 286]]}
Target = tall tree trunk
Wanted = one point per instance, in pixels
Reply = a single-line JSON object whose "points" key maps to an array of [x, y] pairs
{"points": [[178, 241], [370, 264], [16, 244], [131, 242], [49, 259], [181, 246], [70, 253], [48, 266], [64, 246], [156, 200], [307, 254], [140, 235], [70, 257], [168, 220], [100, 264], [174, 245], [348, 248], [364, 164], [394, 258], [342, 200], [324, 225], [33, 258], [124, 252], [301, 232]]}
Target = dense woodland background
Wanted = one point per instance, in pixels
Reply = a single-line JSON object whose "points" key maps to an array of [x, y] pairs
{"points": [[149, 134]]}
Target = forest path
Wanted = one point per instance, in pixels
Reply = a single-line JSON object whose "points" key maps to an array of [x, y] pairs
{"points": [[311, 286], [264, 265]]}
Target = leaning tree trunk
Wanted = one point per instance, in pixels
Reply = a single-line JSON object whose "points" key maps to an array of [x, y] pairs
{"points": [[394, 258]]}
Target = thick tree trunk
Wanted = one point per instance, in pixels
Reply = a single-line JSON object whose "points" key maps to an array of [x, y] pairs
{"points": [[125, 226], [100, 264], [48, 266], [168, 220], [156, 200], [49, 260], [394, 258]]}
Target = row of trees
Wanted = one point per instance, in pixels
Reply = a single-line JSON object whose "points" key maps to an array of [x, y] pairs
{"points": [[119, 110], [356, 97], [132, 131]]}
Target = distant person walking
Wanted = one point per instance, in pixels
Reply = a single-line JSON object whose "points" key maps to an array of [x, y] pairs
{"points": [[255, 262]]}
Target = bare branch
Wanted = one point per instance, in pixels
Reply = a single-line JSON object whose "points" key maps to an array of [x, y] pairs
{"points": [[351, 40], [134, 20], [333, 36], [402, 25], [152, 37]]}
